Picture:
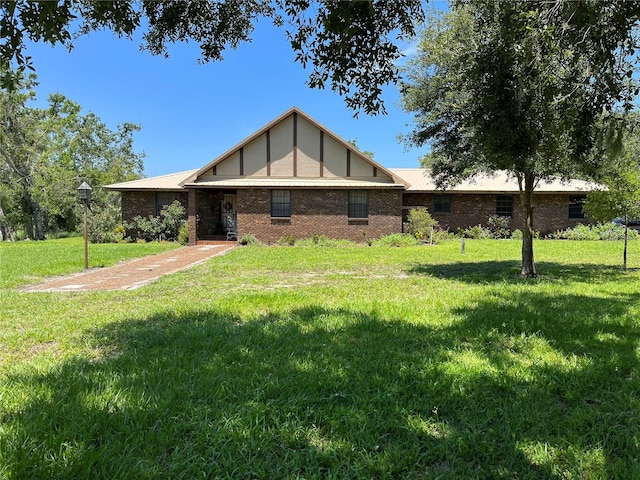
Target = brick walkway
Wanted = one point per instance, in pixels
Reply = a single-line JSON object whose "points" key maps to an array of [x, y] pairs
{"points": [[132, 274]]}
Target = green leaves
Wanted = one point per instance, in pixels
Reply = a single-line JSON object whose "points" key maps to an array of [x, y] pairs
{"points": [[529, 87], [44, 153], [351, 46]]}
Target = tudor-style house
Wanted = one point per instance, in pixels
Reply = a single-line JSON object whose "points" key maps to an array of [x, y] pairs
{"points": [[295, 178]]}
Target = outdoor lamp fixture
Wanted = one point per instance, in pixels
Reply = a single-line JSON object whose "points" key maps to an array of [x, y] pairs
{"points": [[84, 194]]}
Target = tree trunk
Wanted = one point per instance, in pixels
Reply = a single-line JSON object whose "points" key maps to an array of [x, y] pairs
{"points": [[626, 238], [526, 204], [37, 218], [29, 227], [4, 230]]}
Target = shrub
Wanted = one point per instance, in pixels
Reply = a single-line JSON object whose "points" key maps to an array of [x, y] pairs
{"points": [[476, 232], [287, 240], [248, 239], [601, 231], [19, 235], [183, 234], [102, 224], [517, 234], [420, 223], [145, 228], [499, 226], [581, 232], [172, 218], [165, 226], [439, 235], [612, 231], [397, 240]]}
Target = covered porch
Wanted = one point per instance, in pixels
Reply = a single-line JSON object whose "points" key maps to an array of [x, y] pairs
{"points": [[212, 215]]}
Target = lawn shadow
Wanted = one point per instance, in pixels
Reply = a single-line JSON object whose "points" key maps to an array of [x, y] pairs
{"points": [[501, 270], [314, 392], [574, 361]]}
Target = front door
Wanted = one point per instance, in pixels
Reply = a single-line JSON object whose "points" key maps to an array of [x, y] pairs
{"points": [[228, 211]]}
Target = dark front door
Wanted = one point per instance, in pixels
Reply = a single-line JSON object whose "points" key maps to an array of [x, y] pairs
{"points": [[228, 212]]}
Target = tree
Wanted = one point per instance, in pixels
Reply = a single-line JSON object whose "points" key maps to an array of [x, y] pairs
{"points": [[524, 87], [368, 153], [351, 45], [44, 153], [621, 198], [21, 143]]}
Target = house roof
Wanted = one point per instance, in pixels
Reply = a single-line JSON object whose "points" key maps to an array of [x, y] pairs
{"points": [[195, 180], [163, 182], [415, 179], [500, 181]]}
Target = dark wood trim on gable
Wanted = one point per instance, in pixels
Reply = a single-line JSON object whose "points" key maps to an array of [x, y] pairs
{"points": [[375, 172], [295, 144], [348, 163], [268, 133], [321, 153], [242, 161], [214, 170]]}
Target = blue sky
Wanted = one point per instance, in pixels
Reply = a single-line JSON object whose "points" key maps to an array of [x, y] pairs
{"points": [[191, 113]]}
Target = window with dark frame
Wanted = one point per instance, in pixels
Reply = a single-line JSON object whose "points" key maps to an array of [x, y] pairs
{"points": [[281, 203], [165, 198], [442, 203], [504, 205], [576, 206], [358, 204]]}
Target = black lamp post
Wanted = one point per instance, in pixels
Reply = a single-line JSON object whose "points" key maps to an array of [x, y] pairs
{"points": [[84, 194]]}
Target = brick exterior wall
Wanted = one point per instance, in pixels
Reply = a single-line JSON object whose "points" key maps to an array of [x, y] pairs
{"points": [[550, 211], [321, 212], [138, 203], [324, 212], [143, 204]]}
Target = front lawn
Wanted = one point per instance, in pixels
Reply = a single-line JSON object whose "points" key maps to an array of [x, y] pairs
{"points": [[27, 262], [316, 362]]}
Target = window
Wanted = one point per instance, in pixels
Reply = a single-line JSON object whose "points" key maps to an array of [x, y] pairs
{"points": [[576, 206], [358, 204], [165, 198], [442, 203], [280, 203], [504, 205]]}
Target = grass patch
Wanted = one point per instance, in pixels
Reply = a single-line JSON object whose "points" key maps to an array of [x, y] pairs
{"points": [[27, 262], [321, 362]]}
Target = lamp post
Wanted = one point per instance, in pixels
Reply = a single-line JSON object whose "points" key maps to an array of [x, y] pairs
{"points": [[84, 194]]}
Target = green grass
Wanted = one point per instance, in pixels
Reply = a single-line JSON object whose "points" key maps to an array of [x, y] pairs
{"points": [[25, 262], [311, 362]]}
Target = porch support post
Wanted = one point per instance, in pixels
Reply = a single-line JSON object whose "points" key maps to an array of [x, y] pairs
{"points": [[191, 217]]}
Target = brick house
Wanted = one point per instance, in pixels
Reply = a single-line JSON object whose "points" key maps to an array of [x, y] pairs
{"points": [[557, 205], [294, 177]]}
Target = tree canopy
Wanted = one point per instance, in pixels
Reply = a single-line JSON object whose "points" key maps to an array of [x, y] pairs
{"points": [[537, 88], [351, 46], [44, 154]]}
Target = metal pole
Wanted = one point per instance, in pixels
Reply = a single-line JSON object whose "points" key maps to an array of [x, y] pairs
{"points": [[86, 245]]}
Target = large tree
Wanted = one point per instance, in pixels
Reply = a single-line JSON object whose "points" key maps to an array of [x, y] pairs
{"points": [[44, 153], [522, 86], [353, 46]]}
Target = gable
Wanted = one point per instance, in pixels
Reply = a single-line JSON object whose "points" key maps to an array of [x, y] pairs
{"points": [[293, 146]]}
